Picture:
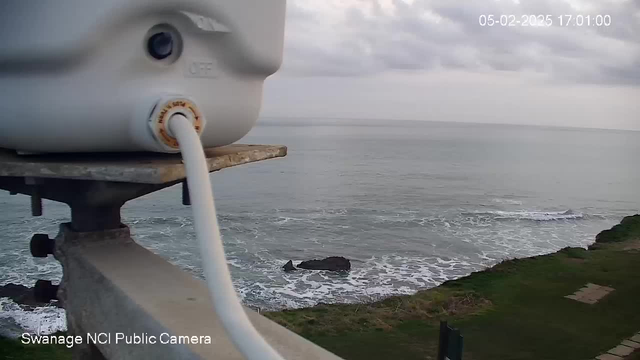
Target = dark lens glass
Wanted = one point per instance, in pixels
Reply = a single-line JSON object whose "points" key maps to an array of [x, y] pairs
{"points": [[160, 45]]}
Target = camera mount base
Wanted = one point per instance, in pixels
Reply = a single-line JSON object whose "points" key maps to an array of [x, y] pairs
{"points": [[113, 286]]}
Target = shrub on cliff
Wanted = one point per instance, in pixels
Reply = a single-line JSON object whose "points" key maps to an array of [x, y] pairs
{"points": [[628, 229]]}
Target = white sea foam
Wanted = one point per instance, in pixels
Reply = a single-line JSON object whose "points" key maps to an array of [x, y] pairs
{"points": [[284, 219], [453, 244], [507, 201], [42, 320], [532, 215], [369, 280]]}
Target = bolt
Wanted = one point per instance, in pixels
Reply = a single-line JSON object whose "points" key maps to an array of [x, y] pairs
{"points": [[41, 246], [36, 199], [36, 203], [44, 291], [186, 200]]}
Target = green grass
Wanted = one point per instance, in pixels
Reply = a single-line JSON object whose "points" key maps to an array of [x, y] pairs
{"points": [[515, 310], [14, 350]]}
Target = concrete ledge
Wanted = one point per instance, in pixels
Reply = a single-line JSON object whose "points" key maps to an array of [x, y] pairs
{"points": [[113, 285]]}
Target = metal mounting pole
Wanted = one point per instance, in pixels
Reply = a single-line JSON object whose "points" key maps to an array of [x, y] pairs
{"points": [[95, 218]]}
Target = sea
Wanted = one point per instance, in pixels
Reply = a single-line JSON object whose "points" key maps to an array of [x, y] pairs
{"points": [[410, 203]]}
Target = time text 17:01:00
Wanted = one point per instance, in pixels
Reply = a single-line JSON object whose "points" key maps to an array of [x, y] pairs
{"points": [[544, 20]]}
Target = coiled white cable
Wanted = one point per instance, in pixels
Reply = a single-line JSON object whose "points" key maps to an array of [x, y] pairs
{"points": [[225, 301]]}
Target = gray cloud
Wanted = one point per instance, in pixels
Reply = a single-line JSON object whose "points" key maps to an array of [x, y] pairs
{"points": [[367, 38]]}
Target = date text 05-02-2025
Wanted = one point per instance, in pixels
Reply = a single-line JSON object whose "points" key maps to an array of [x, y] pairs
{"points": [[545, 20]]}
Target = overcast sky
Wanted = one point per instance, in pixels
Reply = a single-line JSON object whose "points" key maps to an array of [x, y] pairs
{"points": [[431, 60]]}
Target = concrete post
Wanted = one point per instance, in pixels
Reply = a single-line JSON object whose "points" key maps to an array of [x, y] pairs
{"points": [[112, 285]]}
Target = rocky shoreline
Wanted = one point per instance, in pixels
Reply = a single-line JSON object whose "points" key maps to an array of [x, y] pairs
{"points": [[627, 229], [24, 296], [480, 302], [520, 306]]}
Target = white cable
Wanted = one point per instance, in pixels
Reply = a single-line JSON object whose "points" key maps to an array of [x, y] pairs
{"points": [[225, 301]]}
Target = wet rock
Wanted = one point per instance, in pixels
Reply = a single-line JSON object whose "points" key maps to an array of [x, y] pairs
{"points": [[332, 263], [15, 292], [289, 266], [24, 296]]}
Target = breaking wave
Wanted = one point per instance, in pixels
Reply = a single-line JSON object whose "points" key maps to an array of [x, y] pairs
{"points": [[506, 201], [531, 215], [393, 252], [42, 320]]}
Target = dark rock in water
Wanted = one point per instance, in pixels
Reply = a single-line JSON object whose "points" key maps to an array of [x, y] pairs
{"points": [[289, 266], [332, 263], [23, 296], [14, 291]]}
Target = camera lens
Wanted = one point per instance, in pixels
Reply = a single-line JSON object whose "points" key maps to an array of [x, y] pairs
{"points": [[160, 45]]}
